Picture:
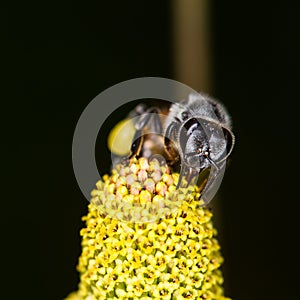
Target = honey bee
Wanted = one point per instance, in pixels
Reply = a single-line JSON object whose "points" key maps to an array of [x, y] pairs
{"points": [[195, 133]]}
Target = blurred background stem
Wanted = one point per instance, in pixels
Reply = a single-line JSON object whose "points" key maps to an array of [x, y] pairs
{"points": [[192, 44]]}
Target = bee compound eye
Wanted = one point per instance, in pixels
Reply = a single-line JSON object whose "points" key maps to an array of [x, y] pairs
{"points": [[120, 137]]}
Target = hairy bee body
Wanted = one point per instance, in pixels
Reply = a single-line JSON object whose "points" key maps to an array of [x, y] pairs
{"points": [[194, 133]]}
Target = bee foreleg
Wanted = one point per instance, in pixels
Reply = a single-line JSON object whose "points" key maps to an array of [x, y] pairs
{"points": [[187, 174], [169, 138], [213, 181]]}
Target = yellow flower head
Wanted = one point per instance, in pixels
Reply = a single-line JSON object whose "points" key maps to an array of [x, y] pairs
{"points": [[174, 257]]}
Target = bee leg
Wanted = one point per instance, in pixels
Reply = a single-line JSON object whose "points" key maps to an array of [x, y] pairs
{"points": [[181, 176], [187, 174], [169, 137], [213, 180], [136, 145]]}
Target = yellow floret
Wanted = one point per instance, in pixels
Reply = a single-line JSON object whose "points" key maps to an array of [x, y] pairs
{"points": [[176, 256]]}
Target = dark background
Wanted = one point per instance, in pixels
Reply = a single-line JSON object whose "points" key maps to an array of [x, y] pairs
{"points": [[56, 57]]}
